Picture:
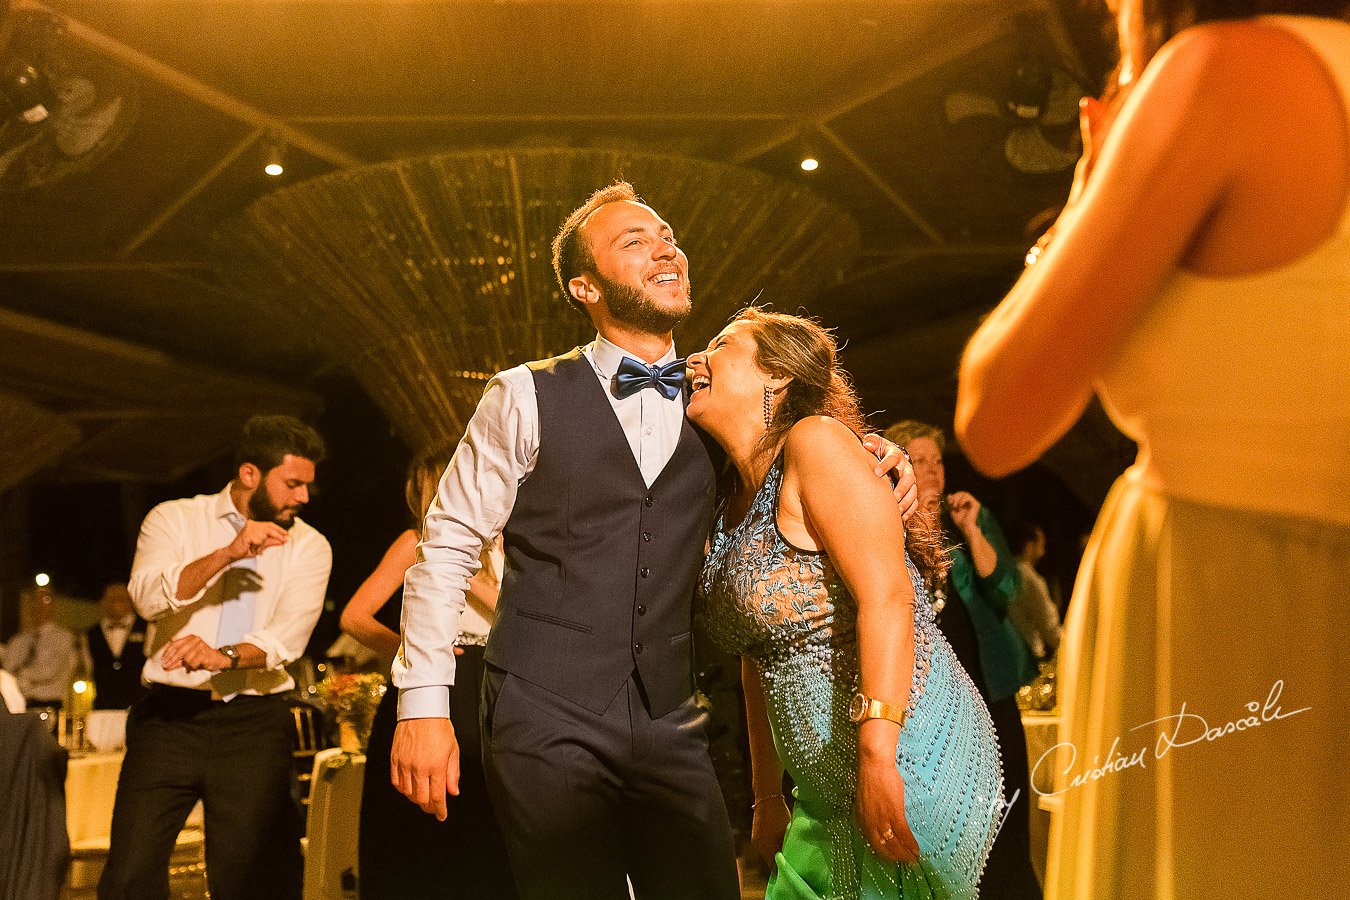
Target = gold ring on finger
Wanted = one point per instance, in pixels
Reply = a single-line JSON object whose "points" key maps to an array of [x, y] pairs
{"points": [[887, 835]]}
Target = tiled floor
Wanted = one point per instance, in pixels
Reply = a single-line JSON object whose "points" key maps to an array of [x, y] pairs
{"points": [[187, 880]]}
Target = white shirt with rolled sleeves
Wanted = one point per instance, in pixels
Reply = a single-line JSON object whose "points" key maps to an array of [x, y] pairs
{"points": [[294, 578], [474, 502]]}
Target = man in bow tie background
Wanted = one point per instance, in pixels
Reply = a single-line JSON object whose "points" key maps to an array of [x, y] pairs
{"points": [[112, 650], [594, 750]]}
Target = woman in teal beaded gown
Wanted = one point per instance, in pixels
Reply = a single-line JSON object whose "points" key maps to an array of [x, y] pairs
{"points": [[812, 579]]}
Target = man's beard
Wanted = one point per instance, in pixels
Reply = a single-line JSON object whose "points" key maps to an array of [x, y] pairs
{"points": [[632, 306], [262, 509]]}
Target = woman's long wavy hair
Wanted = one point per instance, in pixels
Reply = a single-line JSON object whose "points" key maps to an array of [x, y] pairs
{"points": [[792, 346]]}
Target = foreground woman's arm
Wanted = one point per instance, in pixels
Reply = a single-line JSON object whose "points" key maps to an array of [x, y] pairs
{"points": [[1198, 170]]}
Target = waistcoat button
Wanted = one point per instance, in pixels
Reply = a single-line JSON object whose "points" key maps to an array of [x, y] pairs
{"points": [[638, 648], [644, 572]]}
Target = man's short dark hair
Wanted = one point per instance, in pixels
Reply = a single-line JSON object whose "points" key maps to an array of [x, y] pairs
{"points": [[268, 439], [572, 253]]}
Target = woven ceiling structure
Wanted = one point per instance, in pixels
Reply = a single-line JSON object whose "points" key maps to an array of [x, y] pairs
{"points": [[425, 276]]}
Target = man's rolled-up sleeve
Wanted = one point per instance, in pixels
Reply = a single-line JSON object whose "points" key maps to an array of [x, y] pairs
{"points": [[472, 504], [298, 608], [160, 560]]}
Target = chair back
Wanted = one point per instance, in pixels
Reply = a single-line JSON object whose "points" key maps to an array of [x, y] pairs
{"points": [[331, 831], [309, 733]]}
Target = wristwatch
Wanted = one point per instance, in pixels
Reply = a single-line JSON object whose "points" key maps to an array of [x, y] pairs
{"points": [[232, 652], [861, 708]]}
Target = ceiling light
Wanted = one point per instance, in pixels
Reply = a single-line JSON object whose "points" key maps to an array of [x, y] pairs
{"points": [[42, 579], [272, 160], [806, 149]]}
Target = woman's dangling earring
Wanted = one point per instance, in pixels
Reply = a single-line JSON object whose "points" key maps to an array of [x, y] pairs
{"points": [[768, 406]]}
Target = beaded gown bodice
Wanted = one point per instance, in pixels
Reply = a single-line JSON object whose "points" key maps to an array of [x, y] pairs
{"points": [[787, 609]]}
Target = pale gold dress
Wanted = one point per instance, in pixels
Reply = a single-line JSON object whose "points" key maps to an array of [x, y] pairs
{"points": [[1205, 672]]}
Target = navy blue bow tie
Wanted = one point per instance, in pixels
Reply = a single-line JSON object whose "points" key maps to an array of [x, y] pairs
{"points": [[633, 376]]}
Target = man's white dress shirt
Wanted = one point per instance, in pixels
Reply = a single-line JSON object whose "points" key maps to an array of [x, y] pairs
{"points": [[1034, 614], [474, 502], [294, 577]]}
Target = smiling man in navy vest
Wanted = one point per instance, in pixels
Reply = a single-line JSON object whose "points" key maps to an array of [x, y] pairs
{"points": [[594, 750]]}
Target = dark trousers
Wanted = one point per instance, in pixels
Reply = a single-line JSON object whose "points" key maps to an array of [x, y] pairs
{"points": [[406, 854], [236, 757], [1008, 874], [585, 799]]}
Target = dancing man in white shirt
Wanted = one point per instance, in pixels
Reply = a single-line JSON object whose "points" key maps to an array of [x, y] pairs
{"points": [[232, 585]]}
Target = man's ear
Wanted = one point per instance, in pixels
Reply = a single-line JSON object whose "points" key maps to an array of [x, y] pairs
{"points": [[584, 290], [250, 476]]}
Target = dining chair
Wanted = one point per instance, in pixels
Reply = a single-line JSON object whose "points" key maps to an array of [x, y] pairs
{"points": [[331, 871]]}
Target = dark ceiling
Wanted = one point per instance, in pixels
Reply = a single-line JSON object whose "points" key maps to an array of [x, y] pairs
{"points": [[107, 209]]}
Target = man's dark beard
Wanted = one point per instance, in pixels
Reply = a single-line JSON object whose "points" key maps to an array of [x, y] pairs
{"points": [[262, 509], [632, 306]]}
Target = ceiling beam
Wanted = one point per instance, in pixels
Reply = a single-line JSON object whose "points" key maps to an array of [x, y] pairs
{"points": [[76, 266], [203, 93], [880, 184], [940, 52], [186, 197], [545, 118]]}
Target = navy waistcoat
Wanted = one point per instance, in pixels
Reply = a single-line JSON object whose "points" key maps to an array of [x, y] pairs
{"points": [[117, 679], [601, 569]]}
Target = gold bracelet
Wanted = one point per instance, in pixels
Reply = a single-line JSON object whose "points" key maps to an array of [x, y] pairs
{"points": [[754, 806]]}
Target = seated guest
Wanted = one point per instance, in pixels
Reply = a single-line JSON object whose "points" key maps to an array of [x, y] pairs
{"points": [[113, 651], [42, 656]]}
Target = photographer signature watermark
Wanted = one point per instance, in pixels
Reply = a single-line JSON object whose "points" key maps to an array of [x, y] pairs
{"points": [[1181, 730]]}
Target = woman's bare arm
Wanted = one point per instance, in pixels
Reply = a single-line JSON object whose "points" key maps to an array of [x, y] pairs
{"points": [[358, 618], [1189, 173], [850, 514]]}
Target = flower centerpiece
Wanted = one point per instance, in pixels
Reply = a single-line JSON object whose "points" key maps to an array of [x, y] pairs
{"points": [[351, 699]]}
